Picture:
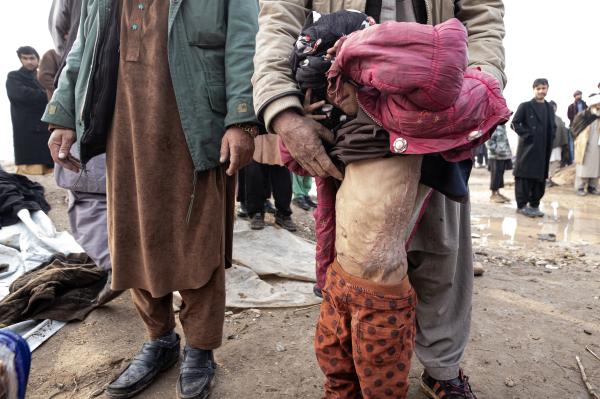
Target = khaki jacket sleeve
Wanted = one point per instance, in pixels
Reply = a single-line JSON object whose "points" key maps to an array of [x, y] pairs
{"points": [[275, 89], [484, 20]]}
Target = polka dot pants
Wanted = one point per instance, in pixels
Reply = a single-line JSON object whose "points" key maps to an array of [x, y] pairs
{"points": [[365, 337]]}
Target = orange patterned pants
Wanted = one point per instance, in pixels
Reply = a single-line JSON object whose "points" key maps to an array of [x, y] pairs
{"points": [[365, 337]]}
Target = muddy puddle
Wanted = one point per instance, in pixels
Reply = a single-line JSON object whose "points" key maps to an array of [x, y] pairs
{"points": [[564, 222]]}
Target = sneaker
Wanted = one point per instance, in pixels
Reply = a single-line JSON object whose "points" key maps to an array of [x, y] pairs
{"points": [[309, 201], [269, 208], [286, 222], [317, 291], [258, 221], [300, 202], [536, 212], [457, 388], [526, 211], [593, 191], [581, 192]]}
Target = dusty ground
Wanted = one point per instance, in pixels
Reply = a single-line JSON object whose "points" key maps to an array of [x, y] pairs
{"points": [[536, 307]]}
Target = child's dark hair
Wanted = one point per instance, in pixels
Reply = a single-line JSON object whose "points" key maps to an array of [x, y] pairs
{"points": [[540, 82], [27, 50]]}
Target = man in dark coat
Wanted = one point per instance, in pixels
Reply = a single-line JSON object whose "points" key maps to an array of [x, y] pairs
{"points": [[535, 125], [27, 104], [577, 106]]}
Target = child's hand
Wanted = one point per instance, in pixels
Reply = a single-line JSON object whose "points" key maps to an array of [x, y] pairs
{"points": [[310, 108], [332, 52]]}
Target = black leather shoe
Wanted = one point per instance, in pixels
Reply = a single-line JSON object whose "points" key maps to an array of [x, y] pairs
{"points": [[196, 374], [107, 294], [300, 202], [286, 222], [242, 212], [257, 221], [156, 356], [309, 201]]}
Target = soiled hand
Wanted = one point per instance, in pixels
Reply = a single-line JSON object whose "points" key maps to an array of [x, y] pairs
{"points": [[237, 147], [302, 137]]}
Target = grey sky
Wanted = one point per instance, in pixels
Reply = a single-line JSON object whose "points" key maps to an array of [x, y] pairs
{"points": [[545, 38]]}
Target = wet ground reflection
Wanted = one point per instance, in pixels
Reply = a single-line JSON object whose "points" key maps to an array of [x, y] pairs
{"points": [[577, 224]]}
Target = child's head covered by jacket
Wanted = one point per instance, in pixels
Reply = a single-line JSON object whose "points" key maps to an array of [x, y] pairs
{"points": [[311, 61]]}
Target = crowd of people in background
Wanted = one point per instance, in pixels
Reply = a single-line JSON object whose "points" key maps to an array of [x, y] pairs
{"points": [[545, 145]]}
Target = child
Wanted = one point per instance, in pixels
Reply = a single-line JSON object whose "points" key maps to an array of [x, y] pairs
{"points": [[382, 105]]}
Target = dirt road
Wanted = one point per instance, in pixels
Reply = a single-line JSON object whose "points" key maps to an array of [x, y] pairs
{"points": [[535, 308]]}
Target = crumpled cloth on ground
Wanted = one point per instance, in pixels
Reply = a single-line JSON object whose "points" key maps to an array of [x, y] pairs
{"points": [[415, 83], [17, 192], [61, 289]]}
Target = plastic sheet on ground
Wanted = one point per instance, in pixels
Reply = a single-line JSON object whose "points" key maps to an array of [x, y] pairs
{"points": [[274, 268], [274, 251], [36, 332], [37, 239], [24, 246]]}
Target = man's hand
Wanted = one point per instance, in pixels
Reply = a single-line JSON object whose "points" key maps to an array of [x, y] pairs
{"points": [[302, 137], [237, 147], [60, 143]]}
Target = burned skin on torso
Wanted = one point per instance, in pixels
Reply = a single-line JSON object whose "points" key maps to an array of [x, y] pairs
{"points": [[374, 207]]}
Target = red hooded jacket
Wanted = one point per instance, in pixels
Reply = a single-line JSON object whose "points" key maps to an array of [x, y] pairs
{"points": [[415, 84]]}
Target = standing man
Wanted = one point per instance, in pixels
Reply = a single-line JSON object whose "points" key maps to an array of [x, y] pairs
{"points": [[264, 175], [576, 107], [27, 103], [442, 244], [500, 161], [535, 125], [87, 192], [177, 75], [586, 130]]}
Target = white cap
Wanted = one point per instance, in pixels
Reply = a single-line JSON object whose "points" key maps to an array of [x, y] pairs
{"points": [[593, 99]]}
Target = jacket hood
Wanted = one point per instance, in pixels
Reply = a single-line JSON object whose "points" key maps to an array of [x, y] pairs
{"points": [[416, 85]]}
